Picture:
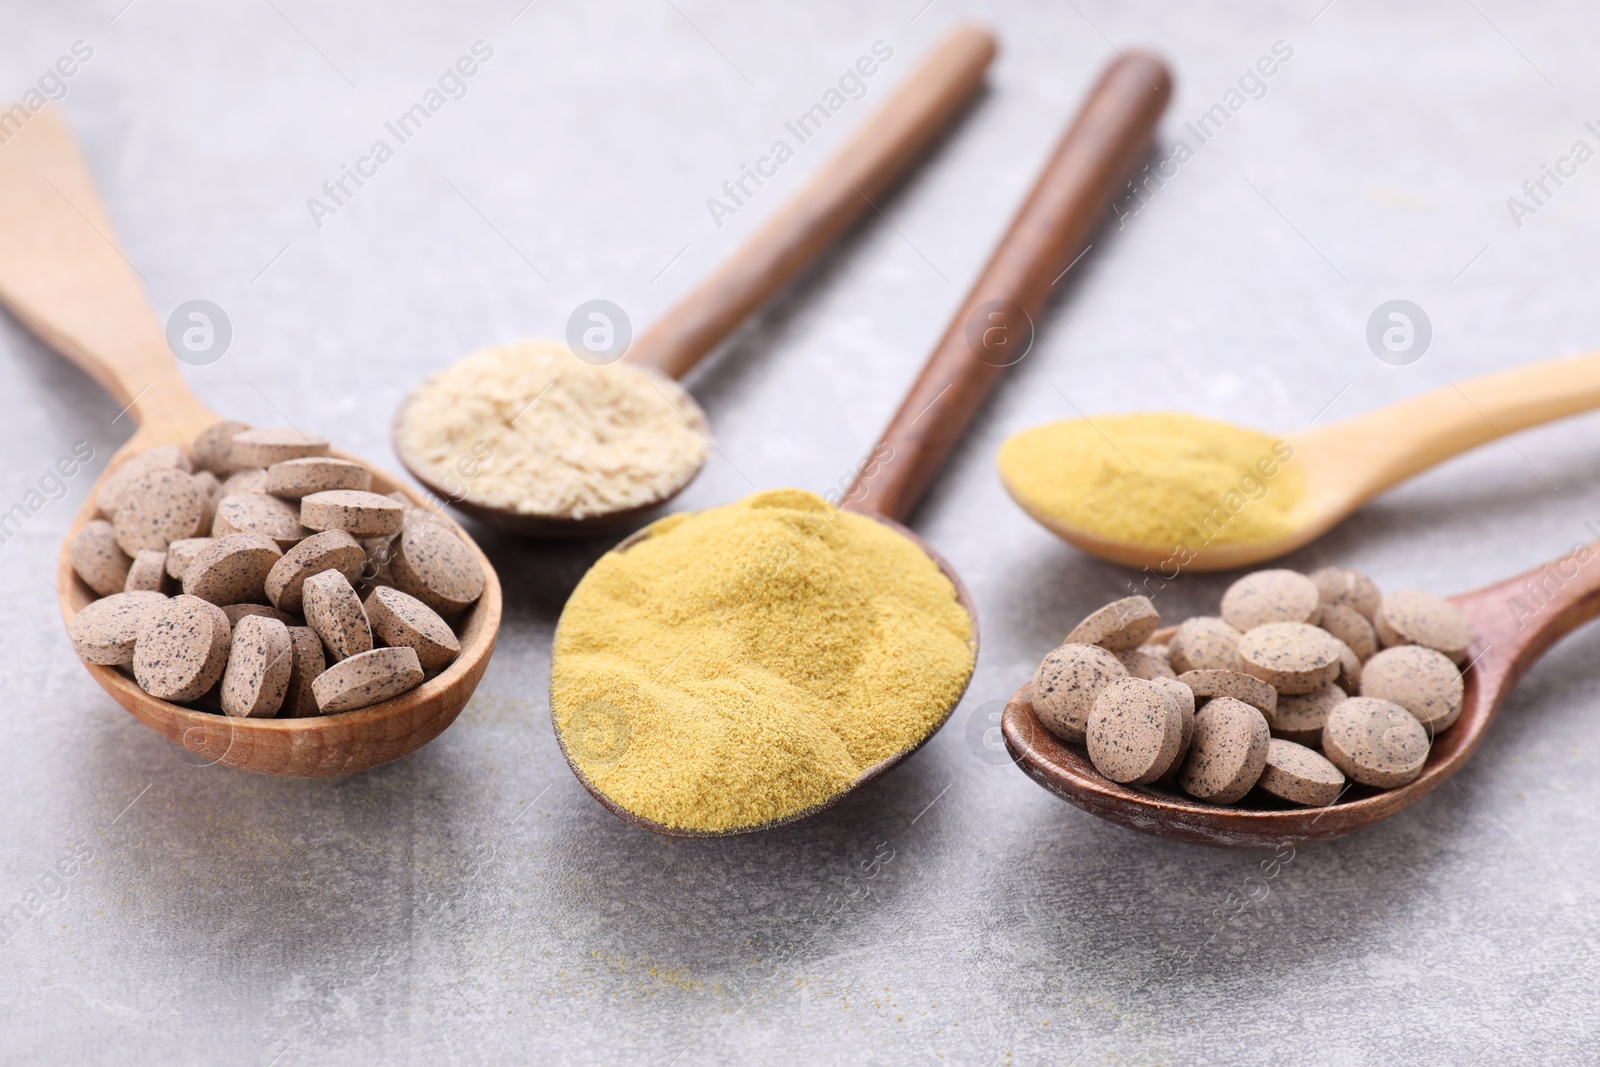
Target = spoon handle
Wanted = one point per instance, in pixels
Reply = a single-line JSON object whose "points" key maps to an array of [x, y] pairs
{"points": [[881, 152], [64, 276], [994, 327]]}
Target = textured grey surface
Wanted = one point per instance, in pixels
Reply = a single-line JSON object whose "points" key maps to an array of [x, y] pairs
{"points": [[471, 903]]}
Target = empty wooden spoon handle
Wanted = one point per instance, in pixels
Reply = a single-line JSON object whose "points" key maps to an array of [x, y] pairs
{"points": [[881, 152], [64, 276], [991, 331]]}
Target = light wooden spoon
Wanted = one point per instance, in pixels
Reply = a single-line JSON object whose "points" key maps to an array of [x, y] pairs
{"points": [[881, 152], [64, 276], [1109, 135], [1346, 464], [1515, 627]]}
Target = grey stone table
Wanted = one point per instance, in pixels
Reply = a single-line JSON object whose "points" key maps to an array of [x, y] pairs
{"points": [[471, 903]]}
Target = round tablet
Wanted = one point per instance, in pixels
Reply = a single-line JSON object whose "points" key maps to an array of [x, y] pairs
{"points": [[1297, 774], [1134, 731], [1204, 643], [148, 572], [270, 444], [257, 675], [106, 629], [358, 513], [296, 478], [401, 619], [1066, 685], [1422, 681], [366, 679], [1415, 617], [1301, 718], [1120, 625], [180, 552], [1183, 699], [259, 513], [110, 496], [1349, 588], [1351, 627], [1375, 742], [335, 612], [1270, 596], [1228, 753], [1235, 684], [434, 565], [1146, 661], [182, 651], [212, 448], [307, 664], [235, 612], [1292, 657], [232, 570], [98, 559], [157, 508], [329, 550], [249, 480]]}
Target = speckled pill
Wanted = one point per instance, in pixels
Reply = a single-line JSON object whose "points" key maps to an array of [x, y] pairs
{"points": [[329, 550], [335, 612], [1292, 657], [358, 513], [1235, 684], [399, 618], [182, 650], [1415, 617], [434, 565], [181, 551], [1424, 682], [366, 679], [1350, 588], [98, 559], [105, 630], [232, 570], [1183, 699], [1066, 685], [1375, 742], [1134, 731], [110, 495], [212, 448], [1301, 717], [1204, 643], [1120, 625], [1299, 775], [1351, 627], [1270, 596], [259, 513], [259, 662], [1228, 753], [148, 572], [1147, 661], [249, 480], [158, 507], [308, 662], [235, 612], [263, 446], [296, 478]]}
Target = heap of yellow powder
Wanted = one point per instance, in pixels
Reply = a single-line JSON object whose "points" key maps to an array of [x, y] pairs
{"points": [[1158, 479], [749, 662]]}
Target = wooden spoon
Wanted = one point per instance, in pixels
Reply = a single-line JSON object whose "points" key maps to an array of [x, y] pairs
{"points": [[63, 275], [1109, 136], [1515, 627], [881, 152], [1345, 464]]}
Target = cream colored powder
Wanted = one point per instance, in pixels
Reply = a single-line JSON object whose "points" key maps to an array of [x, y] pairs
{"points": [[528, 427]]}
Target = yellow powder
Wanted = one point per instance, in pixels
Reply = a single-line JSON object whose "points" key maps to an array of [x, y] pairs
{"points": [[1158, 479], [531, 428], [749, 662]]}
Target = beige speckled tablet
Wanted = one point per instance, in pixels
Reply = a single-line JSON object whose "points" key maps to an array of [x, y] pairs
{"points": [[299, 701], [98, 559], [235, 612], [1270, 596], [1204, 643], [1297, 774], [157, 508], [182, 650], [329, 550], [434, 565], [1133, 732], [1147, 661], [1292, 657], [335, 612], [106, 629], [401, 619], [1349, 676], [259, 661], [232, 570], [1422, 681], [259, 513], [181, 551], [266, 445], [249, 480], [1120, 625], [1351, 627], [1375, 742], [1228, 753], [1183, 699], [1235, 684], [162, 457], [1066, 684], [367, 678], [212, 448], [360, 514], [1352, 589], [296, 478], [209, 484], [1415, 617], [1300, 718], [148, 573]]}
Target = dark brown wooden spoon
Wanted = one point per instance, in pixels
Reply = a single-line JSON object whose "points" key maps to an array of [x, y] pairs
{"points": [[1107, 138], [1514, 629]]}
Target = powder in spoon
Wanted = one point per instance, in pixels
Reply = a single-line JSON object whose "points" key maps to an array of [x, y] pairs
{"points": [[1161, 479], [528, 427], [749, 662]]}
